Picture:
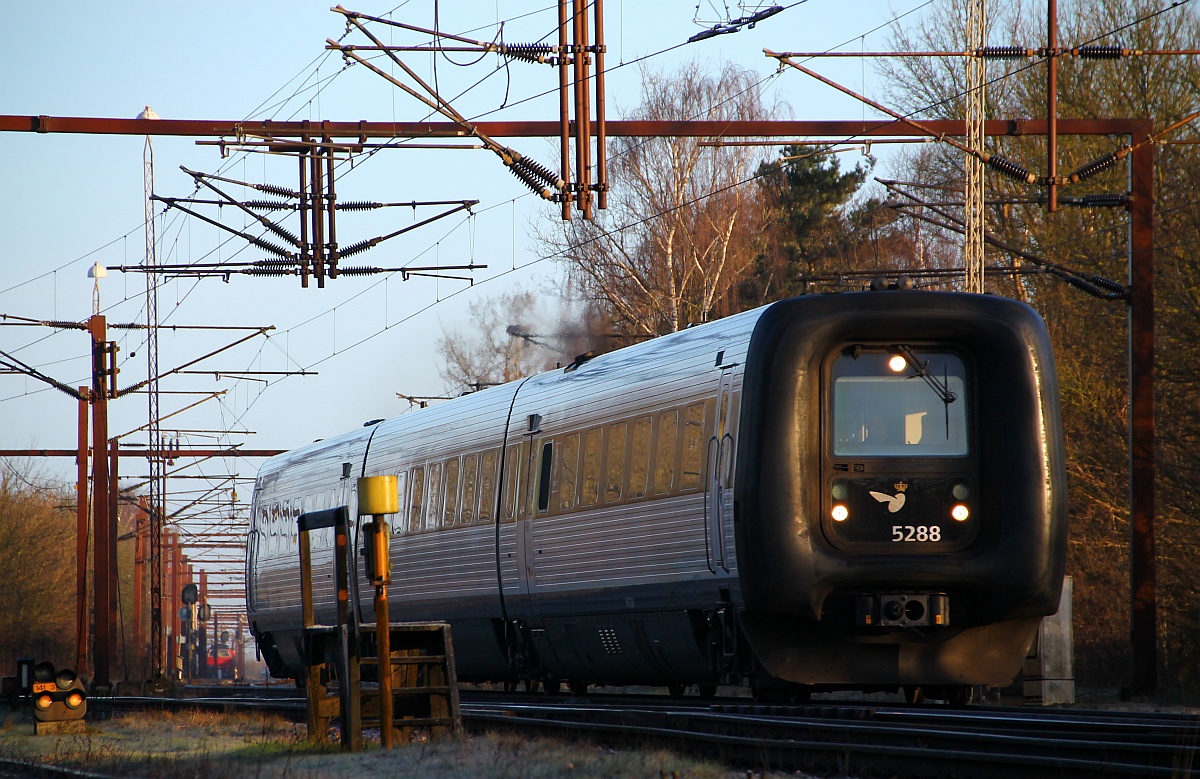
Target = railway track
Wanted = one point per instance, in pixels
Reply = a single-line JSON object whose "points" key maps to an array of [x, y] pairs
{"points": [[853, 739]]}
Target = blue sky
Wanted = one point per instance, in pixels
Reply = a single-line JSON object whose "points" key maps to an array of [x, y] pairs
{"points": [[69, 201]]}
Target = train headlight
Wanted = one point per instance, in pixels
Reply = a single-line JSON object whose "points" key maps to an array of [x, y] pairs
{"points": [[960, 513], [961, 491], [897, 363], [840, 513]]}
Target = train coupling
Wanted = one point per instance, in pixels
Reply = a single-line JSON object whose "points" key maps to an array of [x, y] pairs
{"points": [[902, 610]]}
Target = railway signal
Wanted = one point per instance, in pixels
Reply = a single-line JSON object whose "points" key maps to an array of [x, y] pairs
{"points": [[57, 696]]}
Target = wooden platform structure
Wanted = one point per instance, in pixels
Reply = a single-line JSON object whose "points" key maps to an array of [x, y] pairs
{"points": [[412, 663]]}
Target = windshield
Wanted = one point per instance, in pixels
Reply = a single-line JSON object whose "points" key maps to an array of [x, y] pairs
{"points": [[899, 403]]}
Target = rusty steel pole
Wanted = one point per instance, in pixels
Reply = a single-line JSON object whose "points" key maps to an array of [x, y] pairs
{"points": [[114, 621], [316, 197], [81, 538], [141, 534], [601, 132], [1142, 573], [1052, 105], [105, 538], [583, 133], [564, 108], [330, 208]]}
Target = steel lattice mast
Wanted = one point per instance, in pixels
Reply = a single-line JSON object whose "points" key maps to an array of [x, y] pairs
{"points": [[154, 460], [973, 194]]}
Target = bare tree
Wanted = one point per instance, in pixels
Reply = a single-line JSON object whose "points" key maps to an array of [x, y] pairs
{"points": [[492, 350], [682, 228]]}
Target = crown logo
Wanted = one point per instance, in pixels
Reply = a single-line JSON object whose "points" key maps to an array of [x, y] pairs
{"points": [[900, 486]]}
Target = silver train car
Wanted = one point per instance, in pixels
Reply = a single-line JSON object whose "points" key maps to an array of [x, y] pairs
{"points": [[863, 490]]}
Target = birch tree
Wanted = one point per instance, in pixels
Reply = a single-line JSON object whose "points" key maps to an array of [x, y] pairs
{"points": [[682, 227]]}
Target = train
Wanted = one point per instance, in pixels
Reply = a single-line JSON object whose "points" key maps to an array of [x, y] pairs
{"points": [[862, 490]]}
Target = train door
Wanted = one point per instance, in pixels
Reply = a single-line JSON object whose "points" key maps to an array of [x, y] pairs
{"points": [[526, 551], [253, 564], [517, 560], [719, 472]]}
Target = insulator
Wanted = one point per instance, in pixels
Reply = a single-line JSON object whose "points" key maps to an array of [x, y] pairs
{"points": [[270, 271], [1103, 201], [1086, 286], [528, 180], [358, 205], [358, 248], [358, 270], [271, 189], [1010, 169], [282, 232], [541, 172], [268, 205], [1099, 52], [268, 246], [274, 263], [1004, 52], [1095, 166], [530, 52], [1115, 286]]}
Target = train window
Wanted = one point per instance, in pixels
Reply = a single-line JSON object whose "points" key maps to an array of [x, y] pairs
{"points": [[693, 446], [512, 473], [639, 462], [450, 512], [273, 532], [525, 481], [664, 451], [400, 523], [592, 447], [416, 497], [487, 484], [568, 471], [434, 494], [470, 476], [294, 524], [545, 465], [614, 462], [899, 403]]}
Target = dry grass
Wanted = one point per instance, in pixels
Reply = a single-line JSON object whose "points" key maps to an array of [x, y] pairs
{"points": [[166, 745]]}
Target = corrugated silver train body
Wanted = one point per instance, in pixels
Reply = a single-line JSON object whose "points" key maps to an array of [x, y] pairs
{"points": [[719, 505]]}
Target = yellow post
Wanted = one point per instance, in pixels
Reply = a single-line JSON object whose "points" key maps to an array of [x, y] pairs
{"points": [[377, 496]]}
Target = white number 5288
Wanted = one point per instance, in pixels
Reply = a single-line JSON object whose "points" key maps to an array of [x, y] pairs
{"points": [[901, 533]]}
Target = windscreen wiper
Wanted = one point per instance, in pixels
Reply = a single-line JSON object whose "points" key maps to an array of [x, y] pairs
{"points": [[940, 386]]}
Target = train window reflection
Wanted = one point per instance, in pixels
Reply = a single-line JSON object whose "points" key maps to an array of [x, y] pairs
{"points": [[450, 514], [920, 411], [693, 446], [592, 446], [567, 472], [664, 453], [614, 462], [401, 523], [512, 474], [470, 473], [435, 496], [487, 485], [639, 463], [416, 498]]}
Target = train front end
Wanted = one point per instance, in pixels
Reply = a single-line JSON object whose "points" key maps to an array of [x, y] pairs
{"points": [[902, 517]]}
